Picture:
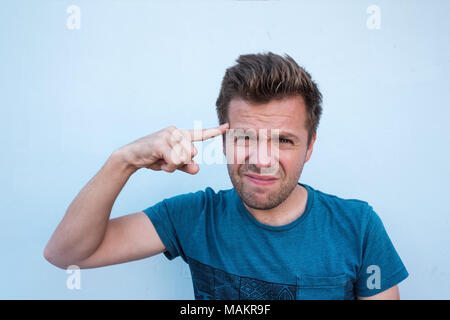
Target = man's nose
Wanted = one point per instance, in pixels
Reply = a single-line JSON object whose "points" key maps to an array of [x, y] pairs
{"points": [[261, 155]]}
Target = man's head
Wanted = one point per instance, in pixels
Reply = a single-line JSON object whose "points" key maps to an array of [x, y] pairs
{"points": [[272, 93]]}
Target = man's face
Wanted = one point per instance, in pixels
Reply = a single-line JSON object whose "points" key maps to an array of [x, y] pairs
{"points": [[265, 166]]}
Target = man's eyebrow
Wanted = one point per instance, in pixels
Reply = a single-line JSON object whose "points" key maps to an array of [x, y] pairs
{"points": [[281, 134]]}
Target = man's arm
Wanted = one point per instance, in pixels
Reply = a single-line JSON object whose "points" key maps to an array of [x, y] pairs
{"points": [[86, 237], [389, 294], [127, 238]]}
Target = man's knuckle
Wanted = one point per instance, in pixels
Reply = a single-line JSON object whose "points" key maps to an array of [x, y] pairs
{"points": [[184, 158], [194, 150]]}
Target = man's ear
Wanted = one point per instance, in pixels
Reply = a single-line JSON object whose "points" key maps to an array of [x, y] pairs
{"points": [[310, 148]]}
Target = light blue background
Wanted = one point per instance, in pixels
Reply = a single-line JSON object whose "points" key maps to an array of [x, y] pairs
{"points": [[68, 98]]}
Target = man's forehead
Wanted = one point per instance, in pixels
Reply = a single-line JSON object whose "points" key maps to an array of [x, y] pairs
{"points": [[260, 131], [285, 115]]}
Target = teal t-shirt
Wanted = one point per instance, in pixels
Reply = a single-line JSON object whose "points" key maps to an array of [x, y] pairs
{"points": [[337, 249]]}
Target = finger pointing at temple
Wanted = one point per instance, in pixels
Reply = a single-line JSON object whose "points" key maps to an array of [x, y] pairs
{"points": [[204, 134]]}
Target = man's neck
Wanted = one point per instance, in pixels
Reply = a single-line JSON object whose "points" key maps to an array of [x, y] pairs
{"points": [[289, 210]]}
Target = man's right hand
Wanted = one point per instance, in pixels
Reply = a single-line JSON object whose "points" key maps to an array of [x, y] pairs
{"points": [[169, 149]]}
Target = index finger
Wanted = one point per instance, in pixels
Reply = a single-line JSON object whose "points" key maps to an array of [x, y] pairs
{"points": [[204, 134]]}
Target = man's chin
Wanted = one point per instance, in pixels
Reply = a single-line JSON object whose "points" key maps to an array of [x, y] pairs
{"points": [[259, 201], [260, 205]]}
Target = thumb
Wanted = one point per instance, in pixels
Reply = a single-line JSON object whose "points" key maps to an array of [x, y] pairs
{"points": [[191, 168]]}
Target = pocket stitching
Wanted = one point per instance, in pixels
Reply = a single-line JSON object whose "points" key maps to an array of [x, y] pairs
{"points": [[342, 284], [323, 286]]}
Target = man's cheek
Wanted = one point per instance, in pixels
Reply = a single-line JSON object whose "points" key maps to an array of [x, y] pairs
{"points": [[235, 154]]}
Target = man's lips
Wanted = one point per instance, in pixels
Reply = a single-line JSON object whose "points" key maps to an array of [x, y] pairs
{"points": [[260, 180]]}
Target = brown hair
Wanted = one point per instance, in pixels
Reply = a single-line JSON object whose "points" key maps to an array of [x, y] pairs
{"points": [[259, 78]]}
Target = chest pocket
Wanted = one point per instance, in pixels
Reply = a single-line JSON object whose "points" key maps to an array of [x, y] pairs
{"points": [[321, 288]]}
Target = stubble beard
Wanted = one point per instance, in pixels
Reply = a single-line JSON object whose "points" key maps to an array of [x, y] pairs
{"points": [[274, 198]]}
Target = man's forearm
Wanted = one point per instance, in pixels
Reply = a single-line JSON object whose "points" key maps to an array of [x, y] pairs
{"points": [[83, 227]]}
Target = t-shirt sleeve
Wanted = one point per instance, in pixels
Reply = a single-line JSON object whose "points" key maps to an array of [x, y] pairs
{"points": [[381, 266], [172, 218]]}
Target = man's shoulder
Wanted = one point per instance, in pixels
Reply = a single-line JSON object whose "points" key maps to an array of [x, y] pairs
{"points": [[339, 200], [193, 204], [341, 206], [208, 194]]}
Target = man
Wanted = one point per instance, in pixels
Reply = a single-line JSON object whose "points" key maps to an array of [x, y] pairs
{"points": [[269, 237]]}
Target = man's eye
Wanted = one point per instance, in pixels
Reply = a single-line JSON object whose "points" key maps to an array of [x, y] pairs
{"points": [[243, 138], [285, 141]]}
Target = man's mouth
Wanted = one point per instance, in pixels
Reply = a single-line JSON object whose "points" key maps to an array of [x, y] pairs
{"points": [[261, 180]]}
